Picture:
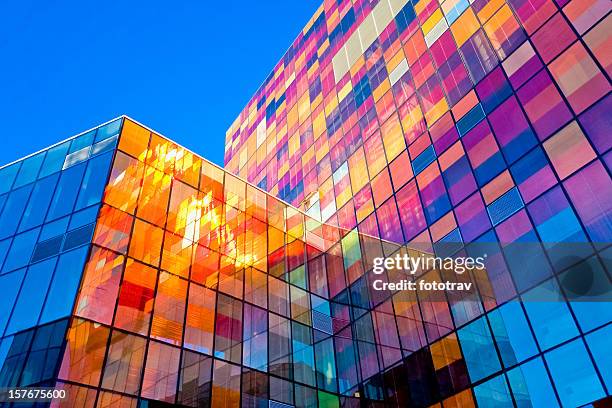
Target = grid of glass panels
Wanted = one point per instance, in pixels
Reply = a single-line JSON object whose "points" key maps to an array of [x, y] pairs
{"points": [[202, 290], [429, 122], [49, 203]]}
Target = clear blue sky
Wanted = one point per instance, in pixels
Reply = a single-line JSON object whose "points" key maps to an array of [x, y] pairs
{"points": [[184, 68]]}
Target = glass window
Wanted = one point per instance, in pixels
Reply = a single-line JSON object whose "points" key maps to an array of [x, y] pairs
{"points": [[228, 328], [29, 170], [303, 354], [85, 350], [64, 286], [478, 350], [108, 130], [279, 352], [512, 333], [84, 217], [146, 242], [38, 204], [195, 384], [124, 363], [573, 373], [161, 372], [113, 230], [550, 317], [100, 286], [169, 310], [54, 160], [94, 181], [66, 192], [200, 321], [531, 385], [136, 297], [124, 183], [10, 284], [255, 353], [32, 296], [21, 250], [599, 344], [494, 393], [45, 353], [226, 385], [13, 209], [7, 176]]}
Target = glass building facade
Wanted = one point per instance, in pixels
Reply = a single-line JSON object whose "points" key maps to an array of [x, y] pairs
{"points": [[439, 122], [137, 274]]}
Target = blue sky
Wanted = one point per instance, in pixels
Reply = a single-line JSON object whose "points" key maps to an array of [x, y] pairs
{"points": [[185, 69]]}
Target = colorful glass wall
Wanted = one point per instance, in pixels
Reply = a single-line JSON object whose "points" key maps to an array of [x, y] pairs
{"points": [[196, 288], [466, 122]]}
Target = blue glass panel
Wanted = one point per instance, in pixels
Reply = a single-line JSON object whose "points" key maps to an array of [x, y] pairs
{"points": [[109, 130], [29, 170], [53, 229], [423, 160], [66, 192], [599, 344], [21, 250], [505, 206], [54, 159], [531, 385], [13, 209], [32, 296], [573, 374], [478, 350], [471, 119], [7, 176], [65, 283], [493, 393], [589, 290], [82, 141], [10, 284], [38, 204], [512, 333], [84, 217], [94, 181], [550, 317], [5, 345], [4, 247]]}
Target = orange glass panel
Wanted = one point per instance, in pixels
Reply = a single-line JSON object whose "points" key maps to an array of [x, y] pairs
{"points": [[136, 297], [176, 254], [112, 400], [76, 396], [200, 321], [256, 203], [123, 186], [184, 211], [235, 191], [211, 180], [153, 201], [124, 363], [146, 243], [162, 154], [85, 349], [134, 139], [100, 286], [113, 229], [205, 266], [169, 309], [231, 277], [161, 372], [188, 167]]}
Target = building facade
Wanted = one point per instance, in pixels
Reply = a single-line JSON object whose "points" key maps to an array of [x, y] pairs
{"points": [[439, 122]]}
